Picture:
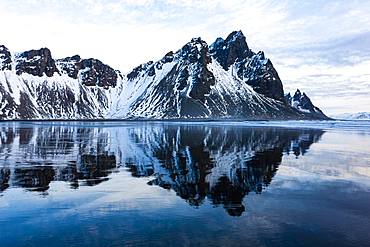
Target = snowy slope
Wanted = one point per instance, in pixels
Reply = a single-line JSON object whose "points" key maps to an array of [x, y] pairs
{"points": [[225, 80]]}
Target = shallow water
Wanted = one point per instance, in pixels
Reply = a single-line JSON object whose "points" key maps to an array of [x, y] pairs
{"points": [[167, 183]]}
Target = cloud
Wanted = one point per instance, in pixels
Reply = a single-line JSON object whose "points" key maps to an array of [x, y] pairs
{"points": [[304, 40]]}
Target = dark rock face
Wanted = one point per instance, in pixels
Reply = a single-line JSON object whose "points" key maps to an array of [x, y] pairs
{"points": [[233, 49], [195, 51], [26, 108], [300, 101], [259, 73], [95, 73], [142, 67], [288, 98], [55, 100], [254, 69], [36, 62], [168, 58], [70, 65], [195, 54], [184, 89], [5, 58], [92, 71], [7, 104], [39, 62]]}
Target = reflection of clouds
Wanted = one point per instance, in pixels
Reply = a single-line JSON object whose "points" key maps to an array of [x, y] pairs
{"points": [[299, 179], [363, 171], [122, 192], [293, 176], [334, 158]]}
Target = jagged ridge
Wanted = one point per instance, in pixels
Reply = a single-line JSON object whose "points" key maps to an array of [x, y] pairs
{"points": [[225, 80]]}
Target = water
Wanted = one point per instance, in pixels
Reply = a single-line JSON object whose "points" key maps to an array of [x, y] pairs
{"points": [[168, 183]]}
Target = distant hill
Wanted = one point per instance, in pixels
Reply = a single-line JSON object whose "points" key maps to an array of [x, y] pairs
{"points": [[354, 116]]}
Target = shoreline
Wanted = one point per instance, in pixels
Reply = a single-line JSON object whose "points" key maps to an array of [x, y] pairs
{"points": [[171, 120]]}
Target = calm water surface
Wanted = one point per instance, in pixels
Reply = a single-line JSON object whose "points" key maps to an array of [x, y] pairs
{"points": [[181, 184]]}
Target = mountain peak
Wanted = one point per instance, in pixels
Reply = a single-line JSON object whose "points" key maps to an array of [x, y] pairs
{"points": [[297, 92], [5, 58], [233, 48], [234, 36], [91, 71], [73, 58], [36, 62], [195, 42], [3, 47], [195, 51]]}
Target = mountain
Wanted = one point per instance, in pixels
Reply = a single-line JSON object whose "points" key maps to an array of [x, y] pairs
{"points": [[225, 80], [353, 116], [301, 102]]}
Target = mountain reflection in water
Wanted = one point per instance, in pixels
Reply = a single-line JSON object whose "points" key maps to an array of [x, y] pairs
{"points": [[219, 163]]}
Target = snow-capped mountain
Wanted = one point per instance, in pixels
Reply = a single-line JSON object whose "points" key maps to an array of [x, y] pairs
{"points": [[223, 80], [301, 102], [353, 116]]}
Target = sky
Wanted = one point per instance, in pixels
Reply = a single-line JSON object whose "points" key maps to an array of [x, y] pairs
{"points": [[321, 47]]}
